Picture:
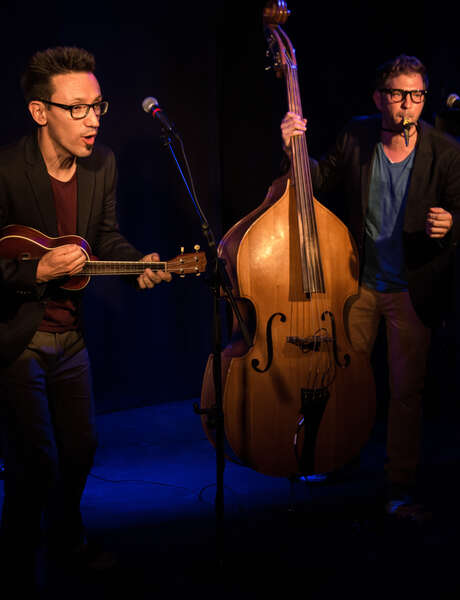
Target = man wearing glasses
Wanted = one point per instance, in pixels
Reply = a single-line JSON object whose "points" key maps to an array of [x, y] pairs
{"points": [[59, 182], [400, 179]]}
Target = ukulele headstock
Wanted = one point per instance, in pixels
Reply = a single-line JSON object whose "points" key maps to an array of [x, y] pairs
{"points": [[188, 263]]}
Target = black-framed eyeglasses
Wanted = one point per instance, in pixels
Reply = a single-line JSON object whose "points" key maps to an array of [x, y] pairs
{"points": [[80, 111], [396, 95]]}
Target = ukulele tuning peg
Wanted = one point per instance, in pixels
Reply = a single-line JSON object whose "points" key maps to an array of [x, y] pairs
{"points": [[181, 261], [196, 247]]}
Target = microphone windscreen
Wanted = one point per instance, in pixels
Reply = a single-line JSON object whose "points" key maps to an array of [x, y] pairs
{"points": [[452, 100], [149, 103]]}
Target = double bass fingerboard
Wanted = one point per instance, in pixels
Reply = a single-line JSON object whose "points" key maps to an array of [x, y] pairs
{"points": [[312, 272]]}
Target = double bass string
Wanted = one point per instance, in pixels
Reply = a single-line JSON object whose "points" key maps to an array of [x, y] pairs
{"points": [[305, 226], [304, 235], [311, 261]]}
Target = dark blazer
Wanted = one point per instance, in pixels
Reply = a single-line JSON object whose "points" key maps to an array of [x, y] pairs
{"points": [[435, 181], [26, 199]]}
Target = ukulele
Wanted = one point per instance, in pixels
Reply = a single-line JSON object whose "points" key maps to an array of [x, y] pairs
{"points": [[19, 242]]}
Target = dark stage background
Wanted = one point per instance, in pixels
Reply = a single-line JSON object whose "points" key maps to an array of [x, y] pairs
{"points": [[206, 65]]}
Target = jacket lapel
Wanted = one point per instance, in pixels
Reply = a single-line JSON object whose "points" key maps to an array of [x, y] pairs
{"points": [[422, 166], [85, 186], [368, 146], [39, 180]]}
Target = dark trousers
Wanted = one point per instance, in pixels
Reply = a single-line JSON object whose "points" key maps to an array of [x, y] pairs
{"points": [[48, 428]]}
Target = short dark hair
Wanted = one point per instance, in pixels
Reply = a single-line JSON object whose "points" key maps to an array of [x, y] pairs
{"points": [[402, 64], [36, 79]]}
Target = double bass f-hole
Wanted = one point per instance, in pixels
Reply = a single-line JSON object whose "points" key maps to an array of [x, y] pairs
{"points": [[346, 357], [268, 335]]}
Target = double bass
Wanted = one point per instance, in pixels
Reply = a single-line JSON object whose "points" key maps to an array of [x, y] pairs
{"points": [[299, 399]]}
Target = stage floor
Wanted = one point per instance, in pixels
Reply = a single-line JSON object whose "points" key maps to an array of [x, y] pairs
{"points": [[150, 499]]}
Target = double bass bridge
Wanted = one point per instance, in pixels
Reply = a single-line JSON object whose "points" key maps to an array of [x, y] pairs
{"points": [[314, 342], [310, 343]]}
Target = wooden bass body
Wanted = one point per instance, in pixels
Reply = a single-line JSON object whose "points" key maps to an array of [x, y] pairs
{"points": [[313, 408]]}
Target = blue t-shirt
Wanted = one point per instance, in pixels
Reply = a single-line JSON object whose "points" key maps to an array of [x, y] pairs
{"points": [[384, 268]]}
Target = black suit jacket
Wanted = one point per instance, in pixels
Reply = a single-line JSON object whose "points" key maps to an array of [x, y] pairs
{"points": [[26, 199], [435, 181]]}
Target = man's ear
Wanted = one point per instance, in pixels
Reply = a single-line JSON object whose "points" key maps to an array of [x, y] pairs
{"points": [[38, 111], [376, 96]]}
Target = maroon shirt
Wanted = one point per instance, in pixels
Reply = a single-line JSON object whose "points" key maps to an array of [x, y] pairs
{"points": [[61, 310]]}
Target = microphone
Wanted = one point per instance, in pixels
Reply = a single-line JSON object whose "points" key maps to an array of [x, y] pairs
{"points": [[453, 101], [152, 106]]}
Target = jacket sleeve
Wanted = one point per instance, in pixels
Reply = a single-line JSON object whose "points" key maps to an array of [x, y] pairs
{"points": [[15, 275], [327, 173], [451, 199]]}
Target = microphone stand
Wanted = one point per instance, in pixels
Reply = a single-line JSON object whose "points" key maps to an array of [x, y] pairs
{"points": [[218, 280]]}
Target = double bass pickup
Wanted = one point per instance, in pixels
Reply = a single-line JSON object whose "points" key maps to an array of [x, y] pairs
{"points": [[311, 343]]}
